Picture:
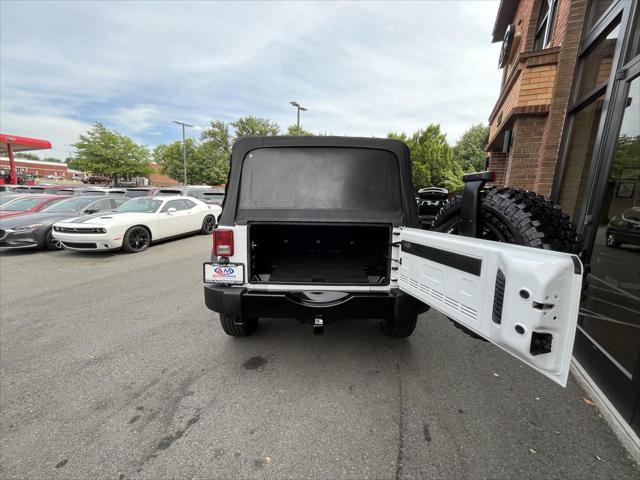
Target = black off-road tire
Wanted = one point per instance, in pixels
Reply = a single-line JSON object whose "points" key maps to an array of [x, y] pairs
{"points": [[238, 327], [517, 216], [129, 246], [51, 243], [400, 328], [208, 225]]}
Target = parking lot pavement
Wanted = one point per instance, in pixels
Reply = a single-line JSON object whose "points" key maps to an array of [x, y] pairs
{"points": [[112, 367]]}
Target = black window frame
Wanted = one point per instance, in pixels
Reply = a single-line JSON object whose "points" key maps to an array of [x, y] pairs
{"points": [[545, 24]]}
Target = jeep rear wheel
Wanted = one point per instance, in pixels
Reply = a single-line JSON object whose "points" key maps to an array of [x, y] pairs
{"points": [[400, 327], [238, 326]]}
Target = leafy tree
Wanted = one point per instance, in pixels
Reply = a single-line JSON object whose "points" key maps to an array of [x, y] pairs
{"points": [[106, 152], [247, 126], [293, 130], [52, 159], [432, 159], [469, 150], [215, 149], [27, 156], [170, 159]]}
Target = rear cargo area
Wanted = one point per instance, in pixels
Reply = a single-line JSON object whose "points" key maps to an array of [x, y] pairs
{"points": [[320, 253]]}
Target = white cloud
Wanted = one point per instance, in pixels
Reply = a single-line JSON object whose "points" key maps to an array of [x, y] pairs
{"points": [[361, 68]]}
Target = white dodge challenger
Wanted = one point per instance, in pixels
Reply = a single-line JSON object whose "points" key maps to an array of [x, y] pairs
{"points": [[138, 223]]}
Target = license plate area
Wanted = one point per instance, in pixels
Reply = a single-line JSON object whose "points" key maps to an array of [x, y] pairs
{"points": [[231, 273]]}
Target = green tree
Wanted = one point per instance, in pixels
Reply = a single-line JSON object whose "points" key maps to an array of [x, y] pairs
{"points": [[52, 159], [215, 149], [208, 159], [293, 130], [170, 159], [106, 152], [432, 159], [469, 150], [248, 126], [27, 156]]}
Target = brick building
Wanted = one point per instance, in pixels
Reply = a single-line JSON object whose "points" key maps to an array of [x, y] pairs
{"points": [[567, 125], [38, 168], [159, 179]]}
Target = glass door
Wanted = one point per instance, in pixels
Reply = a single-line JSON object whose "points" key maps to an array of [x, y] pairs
{"points": [[609, 321], [598, 184]]}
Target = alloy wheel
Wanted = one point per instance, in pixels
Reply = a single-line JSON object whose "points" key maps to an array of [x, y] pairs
{"points": [[209, 224], [138, 239]]}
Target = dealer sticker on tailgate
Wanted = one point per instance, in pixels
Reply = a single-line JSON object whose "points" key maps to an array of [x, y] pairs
{"points": [[223, 273]]}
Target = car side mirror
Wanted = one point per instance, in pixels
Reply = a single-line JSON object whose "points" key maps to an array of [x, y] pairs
{"points": [[91, 211], [171, 211]]}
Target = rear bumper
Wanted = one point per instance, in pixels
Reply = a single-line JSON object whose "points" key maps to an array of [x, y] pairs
{"points": [[239, 301]]}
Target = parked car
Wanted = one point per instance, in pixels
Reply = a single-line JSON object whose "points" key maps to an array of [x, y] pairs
{"points": [[96, 179], [624, 229], [351, 246], [29, 204], [137, 224], [430, 201], [34, 230], [135, 192], [23, 189], [210, 196], [102, 191], [67, 191], [171, 192]]}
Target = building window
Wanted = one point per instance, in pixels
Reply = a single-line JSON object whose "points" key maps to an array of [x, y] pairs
{"points": [[544, 29]]}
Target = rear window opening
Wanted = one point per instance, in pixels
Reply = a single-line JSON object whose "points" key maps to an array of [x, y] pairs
{"points": [[320, 253], [331, 184]]}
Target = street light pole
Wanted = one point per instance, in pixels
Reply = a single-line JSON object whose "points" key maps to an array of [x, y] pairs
{"points": [[184, 148], [299, 107]]}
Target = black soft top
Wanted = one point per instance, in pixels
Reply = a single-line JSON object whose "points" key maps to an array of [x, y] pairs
{"points": [[394, 203]]}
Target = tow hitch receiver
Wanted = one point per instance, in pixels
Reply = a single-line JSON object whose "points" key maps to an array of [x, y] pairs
{"points": [[318, 325]]}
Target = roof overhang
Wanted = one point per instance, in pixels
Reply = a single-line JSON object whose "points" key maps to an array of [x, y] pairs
{"points": [[506, 11], [22, 144]]}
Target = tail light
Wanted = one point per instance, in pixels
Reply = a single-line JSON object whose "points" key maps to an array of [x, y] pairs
{"points": [[223, 243]]}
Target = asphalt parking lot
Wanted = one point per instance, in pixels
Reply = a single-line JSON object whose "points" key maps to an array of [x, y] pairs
{"points": [[112, 367]]}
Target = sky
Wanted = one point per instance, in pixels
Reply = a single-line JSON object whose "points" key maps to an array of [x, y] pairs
{"points": [[361, 69]]}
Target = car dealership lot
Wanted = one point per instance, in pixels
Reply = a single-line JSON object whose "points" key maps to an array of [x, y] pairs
{"points": [[112, 367]]}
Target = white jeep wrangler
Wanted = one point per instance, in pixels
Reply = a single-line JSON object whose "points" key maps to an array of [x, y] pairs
{"points": [[328, 227]]}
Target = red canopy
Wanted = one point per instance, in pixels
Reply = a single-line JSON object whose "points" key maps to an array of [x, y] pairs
{"points": [[14, 143], [22, 144]]}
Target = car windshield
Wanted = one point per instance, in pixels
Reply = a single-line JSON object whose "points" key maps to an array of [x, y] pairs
{"points": [[21, 204], [168, 193], [71, 205], [213, 195], [141, 205]]}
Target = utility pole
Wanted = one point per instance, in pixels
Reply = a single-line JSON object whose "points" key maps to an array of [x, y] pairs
{"points": [[299, 107], [184, 148]]}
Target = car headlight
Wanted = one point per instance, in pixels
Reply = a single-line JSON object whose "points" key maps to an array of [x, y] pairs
{"points": [[27, 228]]}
